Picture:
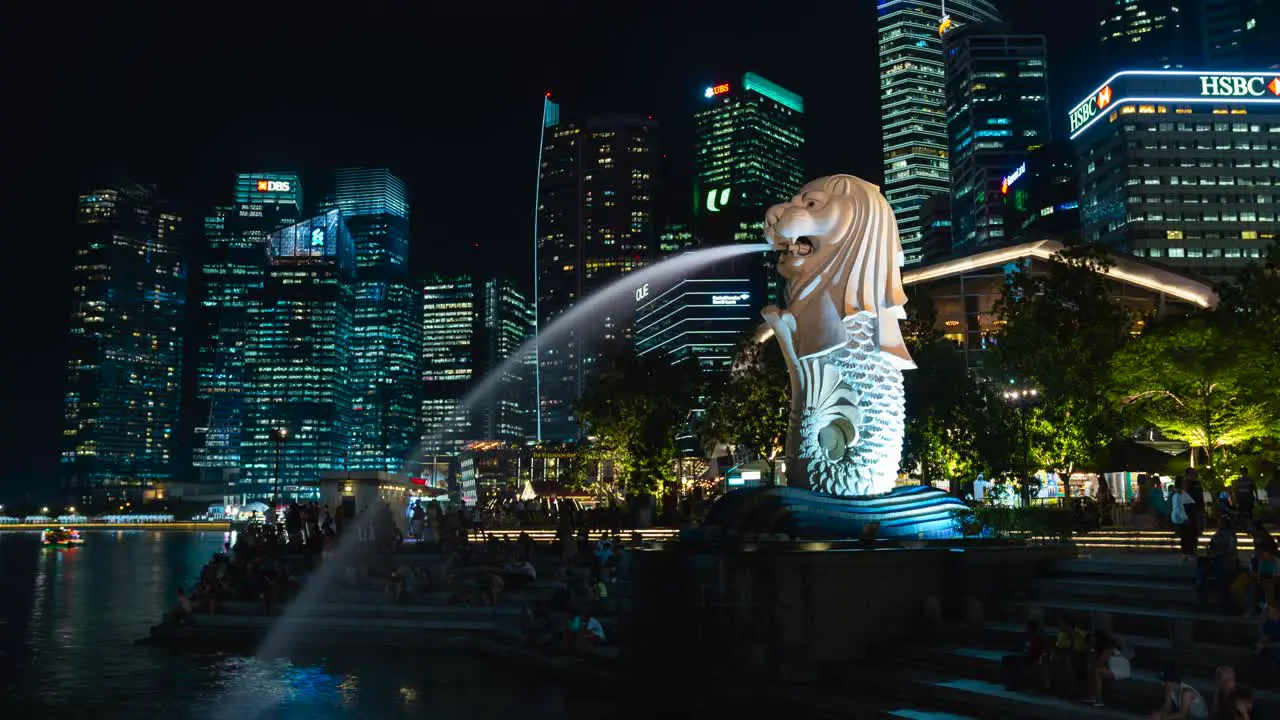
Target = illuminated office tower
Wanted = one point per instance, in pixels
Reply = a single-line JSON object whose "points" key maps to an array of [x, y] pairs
{"points": [[997, 90], [375, 205], [1148, 34], [700, 320], [386, 345], [470, 328], [298, 361], [1181, 166], [1239, 34], [449, 311], [596, 208], [123, 371], [233, 267], [506, 324], [913, 103]]}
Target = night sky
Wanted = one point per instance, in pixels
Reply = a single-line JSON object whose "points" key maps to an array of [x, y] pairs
{"points": [[451, 103]]}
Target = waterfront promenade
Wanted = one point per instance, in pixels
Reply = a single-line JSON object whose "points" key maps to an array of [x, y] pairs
{"points": [[185, 526]]}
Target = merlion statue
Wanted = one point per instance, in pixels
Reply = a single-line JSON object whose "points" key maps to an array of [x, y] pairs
{"points": [[841, 258]]}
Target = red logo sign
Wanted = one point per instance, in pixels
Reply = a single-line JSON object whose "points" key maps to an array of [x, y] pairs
{"points": [[720, 89], [1274, 87], [262, 186], [1104, 97]]}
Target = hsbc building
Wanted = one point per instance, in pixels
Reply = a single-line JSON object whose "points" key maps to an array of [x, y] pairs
{"points": [[1182, 167]]}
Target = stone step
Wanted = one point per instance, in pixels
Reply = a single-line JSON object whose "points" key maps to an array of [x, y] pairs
{"points": [[1154, 653], [379, 609], [1183, 628], [1139, 693], [1142, 592], [329, 622], [906, 714], [965, 696], [1129, 566]]}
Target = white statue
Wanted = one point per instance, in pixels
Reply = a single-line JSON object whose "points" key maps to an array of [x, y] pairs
{"points": [[840, 336]]}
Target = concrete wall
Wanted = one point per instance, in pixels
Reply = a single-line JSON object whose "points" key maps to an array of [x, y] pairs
{"points": [[794, 612]]}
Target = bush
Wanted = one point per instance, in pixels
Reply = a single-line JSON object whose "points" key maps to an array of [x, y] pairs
{"points": [[1054, 524]]}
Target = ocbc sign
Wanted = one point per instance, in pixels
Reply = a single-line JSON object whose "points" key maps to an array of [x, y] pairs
{"points": [[642, 292]]}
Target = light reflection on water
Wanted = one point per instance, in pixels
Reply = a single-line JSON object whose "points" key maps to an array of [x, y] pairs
{"points": [[69, 620]]}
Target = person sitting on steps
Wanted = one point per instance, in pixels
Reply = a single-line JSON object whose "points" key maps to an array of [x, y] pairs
{"points": [[1107, 663], [1181, 701]]}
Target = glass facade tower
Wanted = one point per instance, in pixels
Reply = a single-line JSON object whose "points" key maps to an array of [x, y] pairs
{"points": [[470, 327], [913, 104], [596, 222], [449, 311], [232, 269], [298, 361], [748, 156], [386, 345], [1147, 34], [997, 113], [123, 371]]}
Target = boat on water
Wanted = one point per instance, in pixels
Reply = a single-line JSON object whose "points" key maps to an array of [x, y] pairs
{"points": [[60, 537]]}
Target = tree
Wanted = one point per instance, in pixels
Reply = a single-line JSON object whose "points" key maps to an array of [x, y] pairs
{"points": [[956, 426], [634, 409], [1060, 330], [748, 409], [1206, 382]]}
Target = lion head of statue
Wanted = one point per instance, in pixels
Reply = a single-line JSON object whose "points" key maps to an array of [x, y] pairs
{"points": [[840, 257]]}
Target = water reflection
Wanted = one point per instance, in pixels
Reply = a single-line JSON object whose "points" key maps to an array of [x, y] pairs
{"points": [[69, 620]]}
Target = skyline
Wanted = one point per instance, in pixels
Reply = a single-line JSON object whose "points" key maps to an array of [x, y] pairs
{"points": [[190, 107]]}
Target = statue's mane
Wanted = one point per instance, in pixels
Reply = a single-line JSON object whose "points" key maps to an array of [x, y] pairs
{"points": [[865, 274]]}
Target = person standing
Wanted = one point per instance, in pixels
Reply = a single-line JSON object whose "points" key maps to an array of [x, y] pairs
{"points": [[1180, 514], [1195, 512], [1245, 497]]}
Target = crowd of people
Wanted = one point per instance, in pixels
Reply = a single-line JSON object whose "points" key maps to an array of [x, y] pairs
{"points": [[1081, 663]]}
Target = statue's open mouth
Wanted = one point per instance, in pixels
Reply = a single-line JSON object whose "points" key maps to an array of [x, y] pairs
{"points": [[802, 247]]}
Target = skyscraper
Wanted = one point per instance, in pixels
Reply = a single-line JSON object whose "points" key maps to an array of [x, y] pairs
{"points": [[449, 311], [997, 114], [471, 326], [298, 360], [233, 267], [123, 372], [1147, 34], [748, 153], [375, 205], [1239, 34], [596, 222], [1180, 166], [913, 103], [386, 356], [506, 325]]}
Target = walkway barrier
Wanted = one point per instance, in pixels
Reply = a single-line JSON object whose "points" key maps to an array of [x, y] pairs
{"points": [[549, 534]]}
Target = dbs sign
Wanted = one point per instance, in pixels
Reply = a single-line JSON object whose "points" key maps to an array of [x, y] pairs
{"points": [[273, 186]]}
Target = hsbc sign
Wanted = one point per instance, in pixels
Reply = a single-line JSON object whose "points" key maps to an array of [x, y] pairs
{"points": [[273, 186], [1239, 86], [1170, 89]]}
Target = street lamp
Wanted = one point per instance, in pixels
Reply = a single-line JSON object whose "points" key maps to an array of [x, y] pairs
{"points": [[1023, 398], [71, 510], [44, 511], [279, 434]]}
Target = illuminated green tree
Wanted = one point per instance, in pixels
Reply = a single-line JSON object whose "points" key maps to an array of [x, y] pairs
{"points": [[1061, 327], [633, 410], [748, 409], [1200, 380]]}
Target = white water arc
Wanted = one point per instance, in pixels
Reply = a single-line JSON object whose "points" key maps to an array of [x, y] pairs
{"points": [[245, 700], [588, 308]]}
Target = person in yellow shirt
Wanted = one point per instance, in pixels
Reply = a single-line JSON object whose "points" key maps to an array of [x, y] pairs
{"points": [[1071, 651]]}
